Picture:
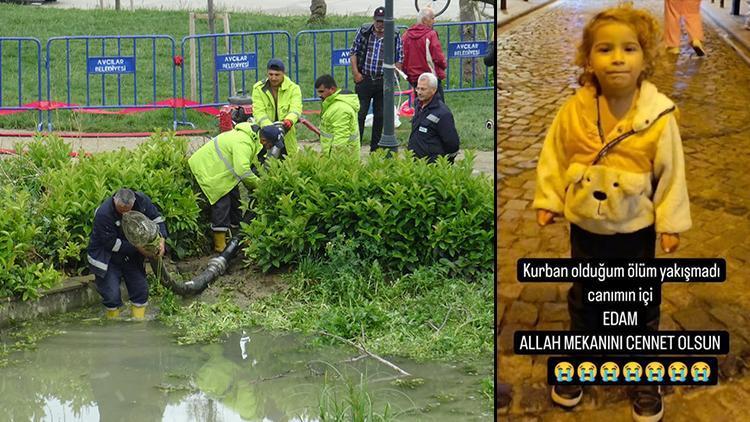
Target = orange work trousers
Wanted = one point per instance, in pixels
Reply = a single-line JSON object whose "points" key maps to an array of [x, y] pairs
{"points": [[690, 10]]}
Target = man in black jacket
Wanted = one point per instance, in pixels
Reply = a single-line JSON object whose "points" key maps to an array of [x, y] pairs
{"points": [[491, 58], [111, 257], [367, 54], [433, 131]]}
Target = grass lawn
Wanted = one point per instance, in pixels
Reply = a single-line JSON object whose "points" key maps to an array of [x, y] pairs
{"points": [[471, 109]]}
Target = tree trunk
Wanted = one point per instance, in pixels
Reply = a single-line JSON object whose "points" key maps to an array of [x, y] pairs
{"points": [[469, 65], [317, 11]]}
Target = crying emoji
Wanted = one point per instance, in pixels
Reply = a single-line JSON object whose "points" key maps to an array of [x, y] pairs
{"points": [[700, 371]]}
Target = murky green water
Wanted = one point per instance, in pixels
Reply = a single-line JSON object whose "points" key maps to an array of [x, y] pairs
{"points": [[125, 371]]}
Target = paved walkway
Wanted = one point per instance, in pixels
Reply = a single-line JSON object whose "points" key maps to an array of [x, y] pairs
{"points": [[537, 76], [728, 24], [517, 8], [484, 161]]}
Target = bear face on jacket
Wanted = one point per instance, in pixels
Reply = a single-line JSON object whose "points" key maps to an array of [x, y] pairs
{"points": [[639, 182]]}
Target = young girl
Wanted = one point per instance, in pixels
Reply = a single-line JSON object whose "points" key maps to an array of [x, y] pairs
{"points": [[612, 165]]}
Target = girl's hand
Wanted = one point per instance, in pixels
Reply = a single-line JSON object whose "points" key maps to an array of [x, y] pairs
{"points": [[670, 242], [544, 217]]}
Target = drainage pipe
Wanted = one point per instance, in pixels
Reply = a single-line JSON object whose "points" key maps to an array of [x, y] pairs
{"points": [[216, 267]]}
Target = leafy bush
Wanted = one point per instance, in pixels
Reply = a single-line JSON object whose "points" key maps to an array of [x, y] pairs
{"points": [[157, 167], [403, 212], [49, 201], [24, 170], [20, 275]]}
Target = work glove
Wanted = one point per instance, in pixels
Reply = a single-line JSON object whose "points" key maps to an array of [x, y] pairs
{"points": [[287, 125]]}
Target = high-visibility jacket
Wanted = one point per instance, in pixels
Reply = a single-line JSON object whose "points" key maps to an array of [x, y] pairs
{"points": [[266, 110], [225, 161], [338, 123]]}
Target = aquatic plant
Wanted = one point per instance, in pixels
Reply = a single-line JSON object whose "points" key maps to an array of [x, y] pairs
{"points": [[423, 315], [344, 399]]}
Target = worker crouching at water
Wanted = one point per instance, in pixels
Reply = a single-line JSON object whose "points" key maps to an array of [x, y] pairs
{"points": [[221, 164], [111, 257]]}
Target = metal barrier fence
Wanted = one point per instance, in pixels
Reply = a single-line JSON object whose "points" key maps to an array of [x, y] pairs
{"points": [[330, 54], [24, 91], [464, 49], [124, 72], [334, 57], [220, 74], [128, 72]]}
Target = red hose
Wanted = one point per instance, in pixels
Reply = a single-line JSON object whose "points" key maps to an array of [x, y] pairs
{"points": [[190, 132]]}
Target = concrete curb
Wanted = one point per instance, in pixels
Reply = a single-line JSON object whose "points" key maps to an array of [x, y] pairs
{"points": [[727, 34], [74, 293], [512, 18]]}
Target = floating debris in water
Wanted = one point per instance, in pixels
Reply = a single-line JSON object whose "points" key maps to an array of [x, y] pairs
{"points": [[243, 344], [170, 388], [411, 383]]}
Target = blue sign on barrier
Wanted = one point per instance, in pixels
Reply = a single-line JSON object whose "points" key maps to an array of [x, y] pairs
{"points": [[335, 44], [110, 65], [467, 49], [122, 71], [230, 62], [235, 65], [466, 42], [340, 58]]}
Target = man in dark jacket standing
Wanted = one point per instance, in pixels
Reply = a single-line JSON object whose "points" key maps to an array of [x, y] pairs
{"points": [[491, 58], [433, 131], [367, 68], [423, 52], [111, 257]]}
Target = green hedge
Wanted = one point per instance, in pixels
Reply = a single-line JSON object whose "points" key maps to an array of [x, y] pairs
{"points": [[403, 212], [49, 199], [21, 273], [157, 167]]}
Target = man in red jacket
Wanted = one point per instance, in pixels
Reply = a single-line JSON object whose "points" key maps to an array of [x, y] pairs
{"points": [[422, 51]]}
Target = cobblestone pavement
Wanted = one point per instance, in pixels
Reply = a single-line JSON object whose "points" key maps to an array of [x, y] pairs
{"points": [[713, 94]]}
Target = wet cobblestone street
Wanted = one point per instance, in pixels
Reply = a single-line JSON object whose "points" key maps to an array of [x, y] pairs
{"points": [[536, 76]]}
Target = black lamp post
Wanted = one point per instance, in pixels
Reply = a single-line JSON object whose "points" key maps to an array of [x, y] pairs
{"points": [[388, 140]]}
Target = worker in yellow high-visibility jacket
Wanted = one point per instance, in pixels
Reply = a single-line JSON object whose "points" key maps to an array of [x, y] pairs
{"points": [[278, 99]]}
